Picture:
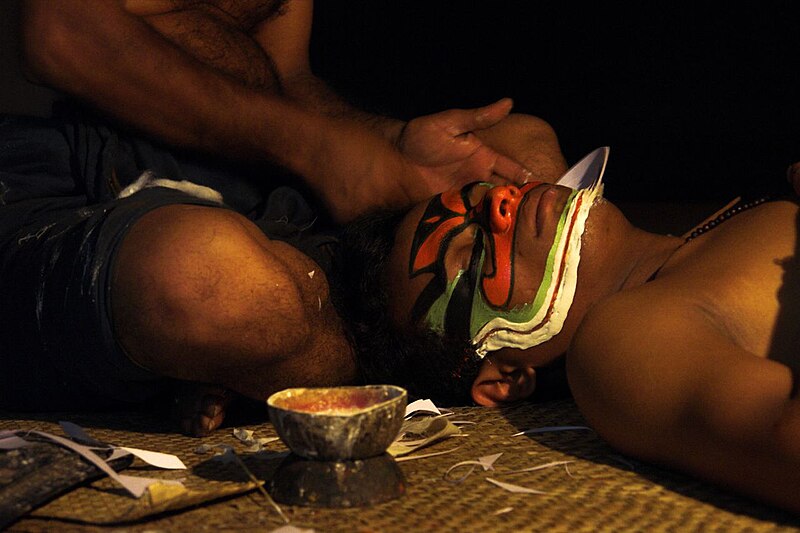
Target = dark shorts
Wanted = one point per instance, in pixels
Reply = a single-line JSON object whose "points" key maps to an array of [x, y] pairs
{"points": [[60, 228]]}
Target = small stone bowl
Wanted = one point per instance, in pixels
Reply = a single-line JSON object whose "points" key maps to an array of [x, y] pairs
{"points": [[338, 423]]}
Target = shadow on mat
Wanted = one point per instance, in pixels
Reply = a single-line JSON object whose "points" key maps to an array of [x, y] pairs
{"points": [[152, 418], [588, 446]]}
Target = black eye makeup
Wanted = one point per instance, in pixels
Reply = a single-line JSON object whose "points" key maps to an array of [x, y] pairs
{"points": [[459, 308]]}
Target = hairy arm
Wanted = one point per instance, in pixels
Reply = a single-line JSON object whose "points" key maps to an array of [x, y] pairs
{"points": [[286, 40], [128, 69], [173, 75], [666, 386]]}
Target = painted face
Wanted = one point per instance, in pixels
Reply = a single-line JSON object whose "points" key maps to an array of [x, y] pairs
{"points": [[503, 259], [446, 303]]}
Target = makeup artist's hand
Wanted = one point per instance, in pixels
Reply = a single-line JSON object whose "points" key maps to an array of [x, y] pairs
{"points": [[448, 152]]}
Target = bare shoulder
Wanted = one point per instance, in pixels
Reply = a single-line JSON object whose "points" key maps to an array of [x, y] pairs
{"points": [[633, 349], [220, 260], [635, 317], [664, 385], [655, 360], [200, 294]]}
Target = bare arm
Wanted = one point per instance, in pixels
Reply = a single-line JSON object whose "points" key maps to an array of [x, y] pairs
{"points": [[666, 386], [286, 40], [140, 68]]}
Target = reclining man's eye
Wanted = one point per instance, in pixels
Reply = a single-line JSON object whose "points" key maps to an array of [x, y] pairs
{"points": [[476, 193]]}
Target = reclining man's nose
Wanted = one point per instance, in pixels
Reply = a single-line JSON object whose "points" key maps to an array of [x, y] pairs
{"points": [[502, 203]]}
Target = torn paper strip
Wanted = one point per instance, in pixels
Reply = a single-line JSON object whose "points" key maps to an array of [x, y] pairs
{"points": [[517, 489]]}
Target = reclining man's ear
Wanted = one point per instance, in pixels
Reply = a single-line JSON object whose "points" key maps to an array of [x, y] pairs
{"points": [[499, 383]]}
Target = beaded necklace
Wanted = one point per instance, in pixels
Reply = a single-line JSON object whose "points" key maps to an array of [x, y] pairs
{"points": [[727, 214]]}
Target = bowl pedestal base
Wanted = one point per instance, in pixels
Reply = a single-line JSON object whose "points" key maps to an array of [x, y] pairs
{"points": [[352, 483]]}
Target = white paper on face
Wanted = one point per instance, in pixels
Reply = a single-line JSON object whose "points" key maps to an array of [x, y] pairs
{"points": [[501, 332], [585, 172]]}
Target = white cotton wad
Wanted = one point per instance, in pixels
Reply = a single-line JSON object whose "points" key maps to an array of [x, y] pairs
{"points": [[148, 179]]}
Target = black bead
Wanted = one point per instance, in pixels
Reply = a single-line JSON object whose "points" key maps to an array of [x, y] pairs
{"points": [[723, 217]]}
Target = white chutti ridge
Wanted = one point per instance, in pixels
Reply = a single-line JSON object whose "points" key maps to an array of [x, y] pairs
{"points": [[548, 321]]}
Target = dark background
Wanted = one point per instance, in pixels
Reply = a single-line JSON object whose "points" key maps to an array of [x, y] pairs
{"points": [[697, 103]]}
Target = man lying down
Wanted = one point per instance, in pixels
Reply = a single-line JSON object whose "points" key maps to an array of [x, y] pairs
{"points": [[678, 350]]}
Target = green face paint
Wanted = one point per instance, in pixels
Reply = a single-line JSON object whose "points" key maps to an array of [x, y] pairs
{"points": [[483, 312], [543, 318], [475, 303]]}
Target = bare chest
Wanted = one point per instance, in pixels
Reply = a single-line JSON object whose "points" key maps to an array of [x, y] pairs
{"points": [[745, 276]]}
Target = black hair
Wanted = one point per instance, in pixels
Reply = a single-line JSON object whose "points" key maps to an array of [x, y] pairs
{"points": [[426, 364]]}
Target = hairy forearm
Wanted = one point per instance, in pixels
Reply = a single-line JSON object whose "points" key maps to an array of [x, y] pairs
{"points": [[354, 169], [129, 70], [313, 92]]}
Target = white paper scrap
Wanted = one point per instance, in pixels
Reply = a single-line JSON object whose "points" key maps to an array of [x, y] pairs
{"points": [[134, 485], [291, 529], [548, 429], [471, 465], [12, 442], [426, 406], [504, 510], [423, 455], [535, 468], [427, 430], [116, 453], [487, 461], [514, 488], [161, 460], [244, 435], [158, 459]]}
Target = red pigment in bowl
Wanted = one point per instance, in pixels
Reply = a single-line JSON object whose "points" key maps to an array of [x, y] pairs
{"points": [[332, 402]]}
